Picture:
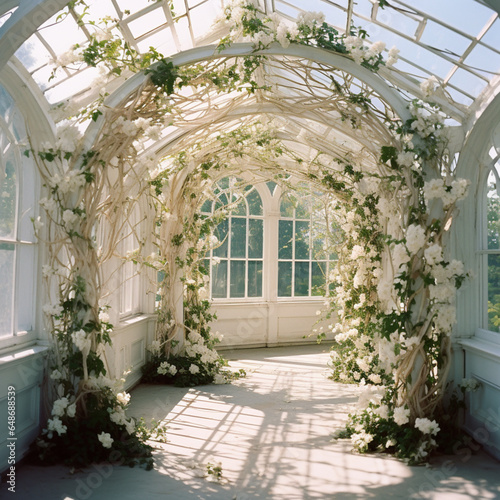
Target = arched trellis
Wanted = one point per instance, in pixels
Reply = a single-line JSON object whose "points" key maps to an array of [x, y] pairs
{"points": [[383, 203]]}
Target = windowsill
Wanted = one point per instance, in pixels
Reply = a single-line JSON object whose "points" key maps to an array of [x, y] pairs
{"points": [[260, 300], [22, 353], [18, 342], [484, 343], [136, 318]]}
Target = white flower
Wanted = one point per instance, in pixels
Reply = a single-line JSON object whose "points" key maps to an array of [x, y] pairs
{"points": [[194, 369], [401, 415], [55, 424], [56, 375], [392, 56], [172, 370], [428, 87], [68, 137], [70, 219], [375, 378], [71, 410], [81, 340], [427, 426], [433, 254], [59, 407], [154, 347], [106, 439], [415, 238], [123, 398], [52, 309], [470, 384]]}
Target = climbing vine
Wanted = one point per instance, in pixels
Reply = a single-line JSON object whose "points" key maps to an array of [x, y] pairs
{"points": [[394, 196]]}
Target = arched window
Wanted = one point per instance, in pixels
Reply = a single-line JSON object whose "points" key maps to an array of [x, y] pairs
{"points": [[303, 262], [237, 262], [18, 189], [491, 250]]}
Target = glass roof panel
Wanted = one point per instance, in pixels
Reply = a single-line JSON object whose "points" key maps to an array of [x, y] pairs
{"points": [[434, 37]]}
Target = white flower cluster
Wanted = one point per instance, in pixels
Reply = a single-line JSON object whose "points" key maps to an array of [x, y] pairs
{"points": [[81, 340], [360, 440], [105, 439], [429, 86], [470, 384], [449, 194], [427, 121], [167, 369], [154, 347], [63, 407], [362, 52], [427, 426], [55, 425], [54, 309], [117, 416]]}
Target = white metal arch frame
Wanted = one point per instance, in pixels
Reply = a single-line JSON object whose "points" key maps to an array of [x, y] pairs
{"points": [[210, 52], [26, 19]]}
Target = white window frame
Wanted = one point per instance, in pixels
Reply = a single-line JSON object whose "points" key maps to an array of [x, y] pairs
{"points": [[25, 268], [484, 252], [247, 217]]}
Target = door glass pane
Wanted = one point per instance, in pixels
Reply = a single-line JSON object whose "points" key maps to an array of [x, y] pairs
{"points": [[221, 232], [7, 251], [219, 280], [238, 237], [318, 278], [494, 293], [255, 278], [284, 279], [302, 240], [285, 239], [238, 278], [255, 238], [301, 279]]}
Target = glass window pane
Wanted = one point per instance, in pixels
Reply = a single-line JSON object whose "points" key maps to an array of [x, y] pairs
{"points": [[284, 279], [318, 278], [254, 203], [494, 293], [302, 210], [206, 207], [255, 278], [301, 279], [255, 238], [493, 214], [238, 278], [285, 239], [271, 186], [238, 237], [223, 183], [221, 202], [219, 280], [240, 206], [8, 201], [302, 240], [287, 205], [221, 231], [7, 252]]}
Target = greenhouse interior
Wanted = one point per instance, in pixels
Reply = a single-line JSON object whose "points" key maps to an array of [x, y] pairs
{"points": [[197, 196]]}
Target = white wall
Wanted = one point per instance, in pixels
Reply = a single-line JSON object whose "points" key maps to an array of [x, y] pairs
{"points": [[24, 370], [258, 324]]}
